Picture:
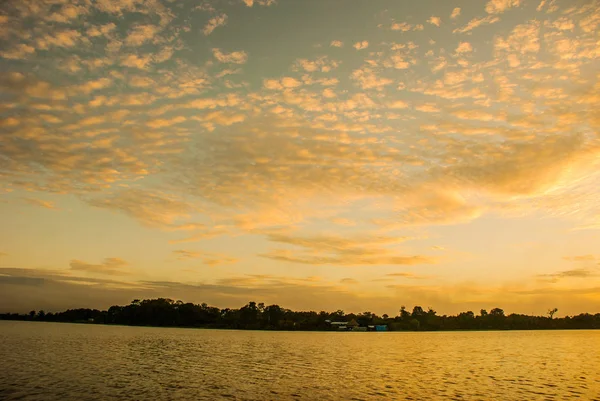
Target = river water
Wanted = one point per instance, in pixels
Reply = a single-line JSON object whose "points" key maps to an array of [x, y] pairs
{"points": [[54, 361]]}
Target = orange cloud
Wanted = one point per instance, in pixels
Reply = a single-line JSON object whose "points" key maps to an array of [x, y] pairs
{"points": [[40, 202], [238, 57], [110, 266]]}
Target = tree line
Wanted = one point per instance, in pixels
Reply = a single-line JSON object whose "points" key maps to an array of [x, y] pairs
{"points": [[164, 312]]}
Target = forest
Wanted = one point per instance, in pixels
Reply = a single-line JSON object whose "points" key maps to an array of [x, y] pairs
{"points": [[163, 312]]}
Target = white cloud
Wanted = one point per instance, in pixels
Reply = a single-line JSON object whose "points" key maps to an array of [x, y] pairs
{"points": [[455, 13], [336, 43]]}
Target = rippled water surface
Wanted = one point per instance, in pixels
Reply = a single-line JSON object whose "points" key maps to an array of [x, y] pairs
{"points": [[53, 361]]}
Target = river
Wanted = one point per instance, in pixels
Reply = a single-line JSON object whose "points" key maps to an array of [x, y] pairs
{"points": [[54, 361]]}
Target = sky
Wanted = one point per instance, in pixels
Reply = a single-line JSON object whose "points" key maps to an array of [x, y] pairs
{"points": [[316, 154]]}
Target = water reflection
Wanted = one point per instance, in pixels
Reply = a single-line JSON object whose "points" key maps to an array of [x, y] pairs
{"points": [[46, 361]]}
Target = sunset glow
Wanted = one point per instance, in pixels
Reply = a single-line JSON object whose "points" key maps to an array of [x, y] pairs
{"points": [[317, 154]]}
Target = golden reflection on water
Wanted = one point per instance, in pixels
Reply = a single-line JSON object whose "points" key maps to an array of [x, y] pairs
{"points": [[53, 361]]}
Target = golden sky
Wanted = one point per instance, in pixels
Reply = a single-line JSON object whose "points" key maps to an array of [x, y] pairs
{"points": [[318, 154]]}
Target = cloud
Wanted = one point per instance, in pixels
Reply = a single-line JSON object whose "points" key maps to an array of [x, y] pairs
{"points": [[94, 85], [101, 30], [22, 290], [68, 12], [117, 7], [322, 64], [141, 82], [251, 3], [523, 39], [464, 47], [455, 13], [398, 104], [214, 23], [361, 45], [151, 208], [567, 274], [283, 83], [239, 57], [581, 258], [296, 144], [437, 21], [135, 61], [183, 254], [40, 202], [349, 281], [336, 250], [141, 34], [336, 43], [65, 38], [499, 6], [478, 115], [3, 254], [207, 258], [432, 204], [203, 234], [18, 52], [109, 266], [162, 123], [219, 118], [524, 169], [477, 22], [405, 27], [367, 78], [427, 108], [407, 275]]}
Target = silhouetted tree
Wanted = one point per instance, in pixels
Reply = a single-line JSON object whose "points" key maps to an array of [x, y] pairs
{"points": [[166, 312], [417, 312], [497, 312]]}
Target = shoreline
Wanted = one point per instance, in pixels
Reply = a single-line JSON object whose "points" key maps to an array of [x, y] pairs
{"points": [[300, 330]]}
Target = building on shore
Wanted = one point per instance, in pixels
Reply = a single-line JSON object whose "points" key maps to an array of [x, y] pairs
{"points": [[354, 326]]}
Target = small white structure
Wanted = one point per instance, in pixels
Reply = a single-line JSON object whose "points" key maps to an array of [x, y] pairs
{"points": [[340, 325]]}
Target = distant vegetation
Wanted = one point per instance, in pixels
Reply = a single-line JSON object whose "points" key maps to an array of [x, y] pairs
{"points": [[253, 316]]}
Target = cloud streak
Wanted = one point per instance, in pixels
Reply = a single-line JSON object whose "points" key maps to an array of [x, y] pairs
{"points": [[109, 266], [207, 258]]}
